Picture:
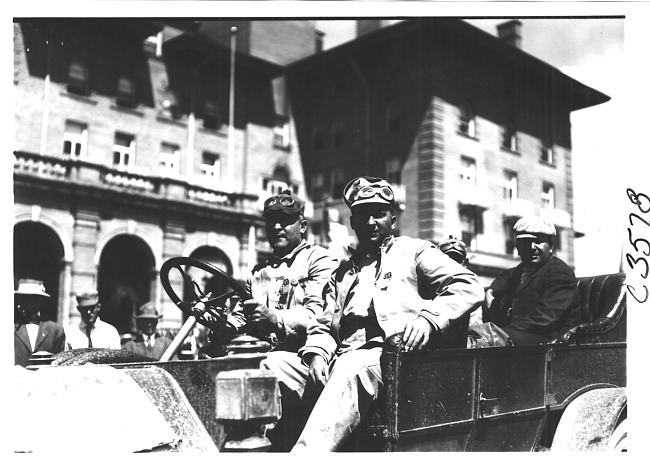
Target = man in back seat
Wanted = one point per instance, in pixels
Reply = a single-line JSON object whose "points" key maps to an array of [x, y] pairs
{"points": [[537, 299]]}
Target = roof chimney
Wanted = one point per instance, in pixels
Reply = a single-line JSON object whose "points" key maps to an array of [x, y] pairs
{"points": [[510, 32]]}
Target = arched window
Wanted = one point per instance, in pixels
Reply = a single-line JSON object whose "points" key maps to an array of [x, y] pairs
{"points": [[509, 137], [78, 79], [467, 124], [125, 92], [211, 115], [393, 117]]}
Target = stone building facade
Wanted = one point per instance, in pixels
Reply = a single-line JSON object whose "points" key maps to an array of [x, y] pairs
{"points": [[473, 132]]}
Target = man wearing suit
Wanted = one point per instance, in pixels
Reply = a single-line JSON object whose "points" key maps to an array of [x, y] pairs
{"points": [[147, 342], [91, 331], [536, 300], [31, 334]]}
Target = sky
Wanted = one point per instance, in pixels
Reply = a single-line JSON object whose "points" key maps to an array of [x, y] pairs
{"points": [[592, 52]]}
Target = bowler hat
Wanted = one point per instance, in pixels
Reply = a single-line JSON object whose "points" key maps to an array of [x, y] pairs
{"points": [[147, 311], [31, 287], [286, 201]]}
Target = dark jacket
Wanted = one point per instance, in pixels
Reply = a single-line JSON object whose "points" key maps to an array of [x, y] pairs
{"points": [[50, 338], [539, 309], [137, 345]]}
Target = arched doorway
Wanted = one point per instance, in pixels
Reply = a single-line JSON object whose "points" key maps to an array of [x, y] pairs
{"points": [[126, 269], [38, 254]]}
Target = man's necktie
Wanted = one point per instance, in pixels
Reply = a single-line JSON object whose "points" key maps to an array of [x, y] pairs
{"points": [[90, 342]]}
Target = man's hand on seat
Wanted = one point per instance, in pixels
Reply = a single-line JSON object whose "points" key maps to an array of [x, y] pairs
{"points": [[417, 333]]}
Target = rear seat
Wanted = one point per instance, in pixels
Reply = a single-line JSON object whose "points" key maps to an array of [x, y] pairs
{"points": [[603, 311]]}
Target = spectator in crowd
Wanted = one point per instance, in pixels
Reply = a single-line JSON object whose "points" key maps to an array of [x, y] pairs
{"points": [[91, 332], [31, 333], [537, 299], [148, 342], [391, 287]]}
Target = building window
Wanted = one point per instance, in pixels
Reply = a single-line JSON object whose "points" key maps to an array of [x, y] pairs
{"points": [[467, 125], [548, 196], [124, 150], [393, 118], [281, 132], [75, 139], [317, 183], [467, 173], [125, 92], [211, 116], [546, 152], [509, 137], [169, 159], [394, 171], [211, 166], [169, 105], [318, 138], [471, 225], [338, 133], [510, 186], [337, 182], [558, 239], [77, 79]]}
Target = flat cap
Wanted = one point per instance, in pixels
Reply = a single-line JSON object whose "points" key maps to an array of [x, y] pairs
{"points": [[532, 227], [454, 248]]}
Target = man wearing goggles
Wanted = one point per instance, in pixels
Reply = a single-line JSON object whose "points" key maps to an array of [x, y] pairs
{"points": [[400, 288], [286, 289]]}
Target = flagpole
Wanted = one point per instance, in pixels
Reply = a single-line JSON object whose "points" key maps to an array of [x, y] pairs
{"points": [[231, 111]]}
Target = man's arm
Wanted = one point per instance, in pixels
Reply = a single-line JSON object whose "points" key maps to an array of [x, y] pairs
{"points": [[294, 321], [320, 341], [493, 301], [456, 289]]}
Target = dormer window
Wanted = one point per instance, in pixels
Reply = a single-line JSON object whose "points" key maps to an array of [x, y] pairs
{"points": [[211, 116], [125, 92], [509, 137], [77, 79], [467, 124], [169, 105]]}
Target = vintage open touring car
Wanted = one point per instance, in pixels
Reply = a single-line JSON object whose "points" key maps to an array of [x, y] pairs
{"points": [[569, 394]]}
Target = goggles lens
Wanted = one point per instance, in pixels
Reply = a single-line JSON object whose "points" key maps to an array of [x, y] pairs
{"points": [[370, 191], [284, 201]]}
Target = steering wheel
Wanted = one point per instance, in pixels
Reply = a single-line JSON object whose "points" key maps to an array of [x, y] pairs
{"points": [[202, 302]]}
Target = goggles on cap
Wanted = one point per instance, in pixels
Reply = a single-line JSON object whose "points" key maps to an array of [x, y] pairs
{"points": [[374, 187], [284, 201]]}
